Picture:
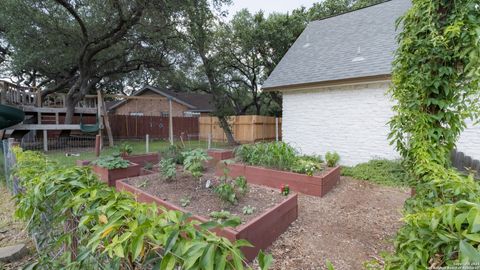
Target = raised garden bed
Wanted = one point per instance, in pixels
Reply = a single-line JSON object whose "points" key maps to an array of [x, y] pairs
{"points": [[142, 160], [218, 155], [112, 175], [274, 212], [316, 185]]}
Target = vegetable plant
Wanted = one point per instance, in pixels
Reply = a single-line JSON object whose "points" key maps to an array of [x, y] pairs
{"points": [[125, 149], [168, 169], [248, 210], [111, 162], [278, 155], [193, 161], [230, 191], [173, 152], [307, 167], [223, 216], [285, 190], [332, 159], [185, 202], [148, 166]]}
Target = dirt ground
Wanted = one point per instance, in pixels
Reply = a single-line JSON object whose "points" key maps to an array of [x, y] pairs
{"points": [[202, 200], [12, 231], [350, 225]]}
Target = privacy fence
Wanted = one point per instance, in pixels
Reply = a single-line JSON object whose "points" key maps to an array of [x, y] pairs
{"points": [[245, 128]]}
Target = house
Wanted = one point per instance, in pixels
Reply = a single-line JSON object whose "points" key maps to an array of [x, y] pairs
{"points": [[334, 80], [183, 103]]}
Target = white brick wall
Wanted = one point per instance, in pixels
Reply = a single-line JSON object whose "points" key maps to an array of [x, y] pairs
{"points": [[351, 120]]}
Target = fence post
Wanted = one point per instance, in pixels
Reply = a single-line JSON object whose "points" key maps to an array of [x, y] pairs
{"points": [[97, 145], [170, 121], [147, 141], [276, 129], [209, 140], [45, 140]]}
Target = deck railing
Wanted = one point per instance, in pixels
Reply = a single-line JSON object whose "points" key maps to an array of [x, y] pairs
{"points": [[11, 94]]}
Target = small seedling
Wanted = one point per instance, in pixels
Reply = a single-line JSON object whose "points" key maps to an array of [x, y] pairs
{"points": [[185, 202], [285, 190], [143, 184], [248, 210]]}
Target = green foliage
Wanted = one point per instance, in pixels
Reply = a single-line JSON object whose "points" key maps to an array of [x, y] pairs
{"points": [[241, 185], [193, 161], [148, 166], [168, 169], [174, 152], [112, 162], [436, 80], [307, 167], [125, 149], [248, 210], [277, 155], [381, 171], [185, 202], [71, 212], [285, 190], [230, 191], [223, 216], [332, 159]]}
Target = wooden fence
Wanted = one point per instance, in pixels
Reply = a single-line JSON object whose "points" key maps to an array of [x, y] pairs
{"points": [[245, 128], [136, 127], [465, 163]]}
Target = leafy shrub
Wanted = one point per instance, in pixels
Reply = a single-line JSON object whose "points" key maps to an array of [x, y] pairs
{"points": [[248, 210], [168, 169], [241, 185], [125, 149], [307, 167], [332, 159], [230, 191], [173, 152], [278, 155], [111, 162], [193, 161], [71, 212], [380, 171]]}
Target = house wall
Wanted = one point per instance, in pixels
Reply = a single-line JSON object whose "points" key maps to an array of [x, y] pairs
{"points": [[351, 120], [150, 107]]}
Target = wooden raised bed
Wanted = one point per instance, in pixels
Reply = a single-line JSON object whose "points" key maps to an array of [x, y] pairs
{"points": [[143, 159], [218, 155], [260, 231], [111, 176], [317, 185]]}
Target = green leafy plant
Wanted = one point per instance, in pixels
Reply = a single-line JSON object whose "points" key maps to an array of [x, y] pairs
{"points": [[148, 166], [193, 161], [185, 202], [174, 152], [436, 74], [241, 185], [332, 159], [248, 210], [307, 167], [223, 216], [278, 155], [168, 169], [111, 162], [380, 171], [125, 149], [285, 190], [226, 192], [93, 226]]}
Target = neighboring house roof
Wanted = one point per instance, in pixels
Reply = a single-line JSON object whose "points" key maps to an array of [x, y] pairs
{"points": [[356, 44], [195, 102]]}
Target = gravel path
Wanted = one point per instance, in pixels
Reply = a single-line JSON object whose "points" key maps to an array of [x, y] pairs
{"points": [[350, 225]]}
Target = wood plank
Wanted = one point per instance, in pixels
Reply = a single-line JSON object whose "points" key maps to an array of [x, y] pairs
{"points": [[45, 127], [57, 110]]}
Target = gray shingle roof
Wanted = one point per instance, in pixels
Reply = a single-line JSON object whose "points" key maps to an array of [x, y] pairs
{"points": [[326, 49]]}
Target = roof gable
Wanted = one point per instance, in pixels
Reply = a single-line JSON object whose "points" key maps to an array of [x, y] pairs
{"points": [[356, 44]]}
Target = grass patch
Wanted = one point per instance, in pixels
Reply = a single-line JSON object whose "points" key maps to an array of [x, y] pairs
{"points": [[380, 171], [138, 147]]}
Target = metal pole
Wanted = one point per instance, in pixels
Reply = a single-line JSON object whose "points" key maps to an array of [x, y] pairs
{"points": [[147, 141], [276, 129], [170, 121]]}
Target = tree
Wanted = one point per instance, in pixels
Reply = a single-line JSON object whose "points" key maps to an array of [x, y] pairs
{"points": [[79, 44]]}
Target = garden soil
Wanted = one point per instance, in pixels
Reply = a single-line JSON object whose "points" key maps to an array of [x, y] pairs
{"points": [[352, 224]]}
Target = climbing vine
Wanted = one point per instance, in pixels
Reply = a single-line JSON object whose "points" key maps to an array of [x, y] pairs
{"points": [[436, 83]]}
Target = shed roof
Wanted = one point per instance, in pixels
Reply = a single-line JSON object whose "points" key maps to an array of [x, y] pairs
{"points": [[356, 44], [194, 101]]}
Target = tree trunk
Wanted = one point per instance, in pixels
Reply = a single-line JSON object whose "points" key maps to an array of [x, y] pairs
{"points": [[228, 131]]}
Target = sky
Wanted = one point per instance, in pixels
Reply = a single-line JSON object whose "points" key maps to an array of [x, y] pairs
{"points": [[269, 6]]}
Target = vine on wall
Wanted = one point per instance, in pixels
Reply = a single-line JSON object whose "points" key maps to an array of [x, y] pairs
{"points": [[436, 83]]}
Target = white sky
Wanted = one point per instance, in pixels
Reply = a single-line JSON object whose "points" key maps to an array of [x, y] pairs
{"points": [[268, 6]]}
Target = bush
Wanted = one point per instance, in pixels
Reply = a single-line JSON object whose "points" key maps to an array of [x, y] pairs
{"points": [[83, 224], [277, 155], [332, 159], [380, 171], [173, 152], [168, 169], [193, 161], [112, 162]]}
